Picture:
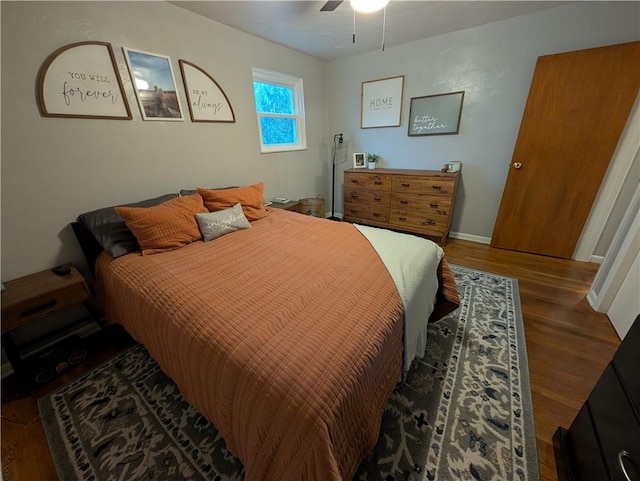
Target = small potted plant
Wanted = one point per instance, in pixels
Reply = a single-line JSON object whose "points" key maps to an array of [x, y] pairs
{"points": [[371, 160]]}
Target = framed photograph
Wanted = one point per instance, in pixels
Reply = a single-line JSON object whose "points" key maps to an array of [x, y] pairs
{"points": [[359, 161], [207, 100], [81, 80], [435, 114], [381, 103], [154, 84]]}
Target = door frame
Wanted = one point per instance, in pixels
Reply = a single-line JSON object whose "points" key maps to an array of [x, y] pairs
{"points": [[627, 148]]}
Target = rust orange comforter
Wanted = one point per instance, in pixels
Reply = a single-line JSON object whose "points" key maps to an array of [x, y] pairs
{"points": [[287, 336]]}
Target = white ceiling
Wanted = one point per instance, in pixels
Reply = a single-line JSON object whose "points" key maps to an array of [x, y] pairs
{"points": [[328, 35]]}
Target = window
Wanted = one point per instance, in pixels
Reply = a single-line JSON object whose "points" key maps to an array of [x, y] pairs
{"points": [[280, 108]]}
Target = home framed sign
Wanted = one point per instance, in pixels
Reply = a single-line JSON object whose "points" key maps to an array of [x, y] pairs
{"points": [[381, 103], [435, 114]]}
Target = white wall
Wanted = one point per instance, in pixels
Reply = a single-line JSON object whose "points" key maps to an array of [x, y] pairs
{"points": [[56, 168], [493, 64]]}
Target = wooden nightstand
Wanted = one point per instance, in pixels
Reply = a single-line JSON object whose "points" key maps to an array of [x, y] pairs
{"points": [[292, 205], [33, 297]]}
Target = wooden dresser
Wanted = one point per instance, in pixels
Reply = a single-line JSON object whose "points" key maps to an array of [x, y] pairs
{"points": [[416, 201], [603, 442]]}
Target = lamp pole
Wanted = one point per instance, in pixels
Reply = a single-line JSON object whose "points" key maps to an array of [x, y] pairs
{"points": [[336, 139]]}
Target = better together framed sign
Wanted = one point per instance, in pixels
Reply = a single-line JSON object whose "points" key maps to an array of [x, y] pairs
{"points": [[435, 114], [381, 103]]}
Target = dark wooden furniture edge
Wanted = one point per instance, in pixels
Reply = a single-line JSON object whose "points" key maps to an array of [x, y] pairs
{"points": [[562, 446]]}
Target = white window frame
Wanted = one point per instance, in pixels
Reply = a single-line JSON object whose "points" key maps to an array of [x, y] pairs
{"points": [[295, 83]]}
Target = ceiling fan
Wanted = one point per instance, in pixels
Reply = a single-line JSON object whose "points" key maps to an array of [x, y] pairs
{"points": [[331, 6], [363, 6]]}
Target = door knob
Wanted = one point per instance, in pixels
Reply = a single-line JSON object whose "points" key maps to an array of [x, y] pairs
{"points": [[517, 165]]}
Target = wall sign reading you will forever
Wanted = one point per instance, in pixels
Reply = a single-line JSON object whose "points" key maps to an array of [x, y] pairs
{"points": [[81, 80], [207, 100], [435, 114]]}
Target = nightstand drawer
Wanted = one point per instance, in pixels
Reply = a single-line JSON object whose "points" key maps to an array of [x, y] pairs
{"points": [[366, 180], [422, 203], [43, 305], [369, 197], [366, 212], [427, 185]]}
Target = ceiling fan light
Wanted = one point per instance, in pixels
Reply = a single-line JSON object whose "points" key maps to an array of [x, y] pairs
{"points": [[368, 6]]}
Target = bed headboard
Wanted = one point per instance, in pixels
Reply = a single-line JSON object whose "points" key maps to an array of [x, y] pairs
{"points": [[90, 246]]}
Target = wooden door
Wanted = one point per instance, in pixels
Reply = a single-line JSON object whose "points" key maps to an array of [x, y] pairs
{"points": [[577, 107]]}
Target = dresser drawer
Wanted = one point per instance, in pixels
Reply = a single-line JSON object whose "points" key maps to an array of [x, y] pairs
{"points": [[585, 450], [420, 184], [423, 221], [368, 197], [615, 423], [421, 202], [366, 212], [366, 180], [41, 306]]}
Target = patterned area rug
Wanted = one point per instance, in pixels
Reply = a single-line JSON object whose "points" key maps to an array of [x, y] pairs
{"points": [[463, 413]]}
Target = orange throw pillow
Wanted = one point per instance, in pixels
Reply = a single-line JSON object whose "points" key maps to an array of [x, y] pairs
{"points": [[166, 226], [251, 197]]}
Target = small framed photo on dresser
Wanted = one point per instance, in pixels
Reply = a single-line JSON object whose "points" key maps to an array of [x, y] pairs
{"points": [[359, 160]]}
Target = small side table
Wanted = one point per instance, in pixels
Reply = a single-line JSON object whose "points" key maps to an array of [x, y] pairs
{"points": [[292, 205], [33, 297]]}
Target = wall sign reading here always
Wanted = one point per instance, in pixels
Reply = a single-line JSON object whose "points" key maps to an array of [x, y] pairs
{"points": [[207, 100]]}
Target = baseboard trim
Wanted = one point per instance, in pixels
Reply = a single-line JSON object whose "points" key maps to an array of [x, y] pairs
{"points": [[84, 330], [470, 237]]}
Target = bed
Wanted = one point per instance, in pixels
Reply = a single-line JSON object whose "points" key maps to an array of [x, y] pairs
{"points": [[288, 335]]}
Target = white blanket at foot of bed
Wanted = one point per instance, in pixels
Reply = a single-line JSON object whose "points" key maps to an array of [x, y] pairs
{"points": [[413, 263]]}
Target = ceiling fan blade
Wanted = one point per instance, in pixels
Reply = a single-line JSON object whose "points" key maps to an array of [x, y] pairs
{"points": [[330, 6]]}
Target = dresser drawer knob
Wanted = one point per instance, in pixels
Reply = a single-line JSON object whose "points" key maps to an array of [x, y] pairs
{"points": [[433, 205], [375, 214], [436, 187], [406, 184], [402, 218], [378, 199], [621, 455], [377, 182], [429, 222], [354, 196], [404, 202], [355, 181]]}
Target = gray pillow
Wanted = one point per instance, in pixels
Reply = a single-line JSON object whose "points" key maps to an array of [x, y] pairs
{"points": [[184, 192], [215, 224], [109, 228]]}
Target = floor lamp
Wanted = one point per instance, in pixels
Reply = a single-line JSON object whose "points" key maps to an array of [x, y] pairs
{"points": [[337, 141]]}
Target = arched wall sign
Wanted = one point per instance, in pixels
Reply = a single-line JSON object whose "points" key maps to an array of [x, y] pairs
{"points": [[207, 101], [81, 80]]}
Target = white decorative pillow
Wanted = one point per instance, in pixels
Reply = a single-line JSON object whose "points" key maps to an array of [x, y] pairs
{"points": [[215, 224]]}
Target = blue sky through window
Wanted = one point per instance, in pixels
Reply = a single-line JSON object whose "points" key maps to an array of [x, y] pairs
{"points": [[278, 130], [273, 99]]}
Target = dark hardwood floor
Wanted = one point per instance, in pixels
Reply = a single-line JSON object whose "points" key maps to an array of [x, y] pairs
{"points": [[568, 347]]}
